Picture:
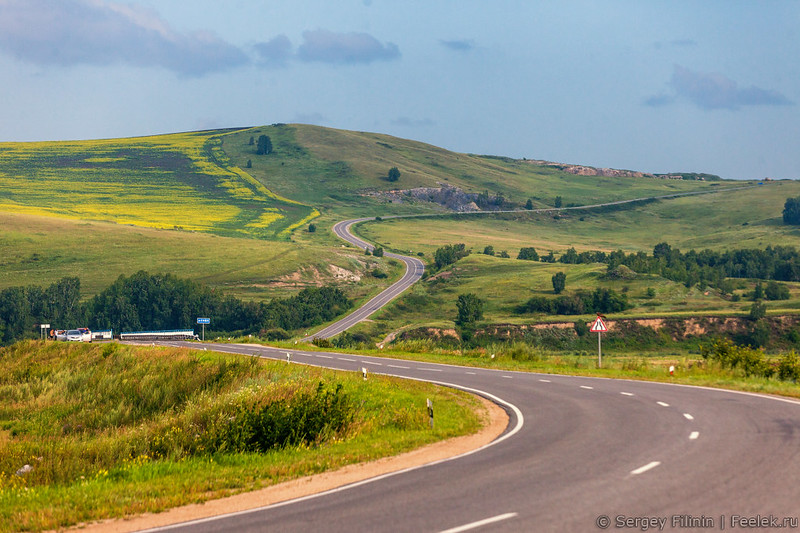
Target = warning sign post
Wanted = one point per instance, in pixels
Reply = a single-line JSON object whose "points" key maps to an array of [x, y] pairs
{"points": [[600, 327]]}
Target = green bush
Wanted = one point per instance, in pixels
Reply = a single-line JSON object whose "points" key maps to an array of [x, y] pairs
{"points": [[789, 367], [321, 343]]}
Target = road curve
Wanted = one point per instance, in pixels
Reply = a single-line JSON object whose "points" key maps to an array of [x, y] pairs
{"points": [[589, 450], [414, 270]]}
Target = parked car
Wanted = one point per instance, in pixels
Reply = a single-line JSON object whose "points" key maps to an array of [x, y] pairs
{"points": [[78, 335]]}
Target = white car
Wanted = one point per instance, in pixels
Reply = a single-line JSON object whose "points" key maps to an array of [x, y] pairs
{"points": [[79, 335]]}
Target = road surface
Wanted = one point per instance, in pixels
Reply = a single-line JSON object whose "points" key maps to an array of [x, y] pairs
{"points": [[578, 452]]}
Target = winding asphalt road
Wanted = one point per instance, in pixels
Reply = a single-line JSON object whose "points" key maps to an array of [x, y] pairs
{"points": [[414, 270], [578, 452]]}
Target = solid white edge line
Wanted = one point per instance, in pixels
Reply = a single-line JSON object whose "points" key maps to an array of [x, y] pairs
{"points": [[479, 523], [688, 416], [516, 429], [645, 468], [693, 435]]}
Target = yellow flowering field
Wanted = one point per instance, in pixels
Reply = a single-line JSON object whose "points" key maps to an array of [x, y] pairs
{"points": [[178, 181]]}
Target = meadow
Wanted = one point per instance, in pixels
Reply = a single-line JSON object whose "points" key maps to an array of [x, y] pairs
{"points": [[111, 430], [179, 181], [41, 250]]}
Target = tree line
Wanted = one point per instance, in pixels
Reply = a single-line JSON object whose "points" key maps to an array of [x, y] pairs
{"points": [[146, 301], [705, 267]]}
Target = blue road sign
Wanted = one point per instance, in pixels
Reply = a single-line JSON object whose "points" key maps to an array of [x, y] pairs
{"points": [[204, 321]]}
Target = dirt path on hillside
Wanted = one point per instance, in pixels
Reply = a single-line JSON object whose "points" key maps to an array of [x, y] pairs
{"points": [[495, 422]]}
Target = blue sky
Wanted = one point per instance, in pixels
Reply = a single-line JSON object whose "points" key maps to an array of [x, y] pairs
{"points": [[658, 86]]}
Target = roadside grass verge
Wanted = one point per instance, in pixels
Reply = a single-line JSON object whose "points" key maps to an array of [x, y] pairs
{"points": [[113, 430], [690, 368]]}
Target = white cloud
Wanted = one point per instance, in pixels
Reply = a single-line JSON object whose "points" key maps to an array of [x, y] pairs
{"points": [[344, 48], [710, 90], [99, 32]]}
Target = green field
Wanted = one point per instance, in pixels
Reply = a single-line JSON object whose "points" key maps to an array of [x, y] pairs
{"points": [[37, 250], [180, 181]]}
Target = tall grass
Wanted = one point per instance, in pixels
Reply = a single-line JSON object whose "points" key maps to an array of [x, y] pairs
{"points": [[108, 430]]}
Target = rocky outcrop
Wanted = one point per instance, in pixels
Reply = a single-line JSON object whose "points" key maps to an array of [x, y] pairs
{"points": [[446, 196]]}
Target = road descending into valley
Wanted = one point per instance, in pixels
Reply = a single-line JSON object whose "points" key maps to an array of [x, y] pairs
{"points": [[580, 454], [414, 270], [415, 267]]}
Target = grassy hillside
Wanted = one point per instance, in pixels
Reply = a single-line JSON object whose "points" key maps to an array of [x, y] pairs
{"points": [[736, 219], [334, 169], [180, 181]]}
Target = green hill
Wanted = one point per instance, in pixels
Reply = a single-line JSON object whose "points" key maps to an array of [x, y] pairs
{"points": [[206, 205]]}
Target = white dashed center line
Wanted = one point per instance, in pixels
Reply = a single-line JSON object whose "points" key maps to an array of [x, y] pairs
{"points": [[645, 468], [372, 363], [545, 380], [586, 387], [429, 369], [324, 356], [626, 393], [693, 435], [346, 359], [398, 366], [688, 416], [662, 404]]}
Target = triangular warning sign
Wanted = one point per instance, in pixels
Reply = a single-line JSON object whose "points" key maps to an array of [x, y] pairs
{"points": [[598, 325]]}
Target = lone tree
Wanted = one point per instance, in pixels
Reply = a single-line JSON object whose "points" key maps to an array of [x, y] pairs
{"points": [[791, 211], [377, 252], [264, 145], [559, 202], [528, 254], [312, 228], [529, 204], [393, 175], [488, 250], [252, 141], [470, 309], [559, 280]]}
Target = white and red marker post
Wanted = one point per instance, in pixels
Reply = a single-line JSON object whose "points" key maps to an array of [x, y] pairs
{"points": [[600, 327]]}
